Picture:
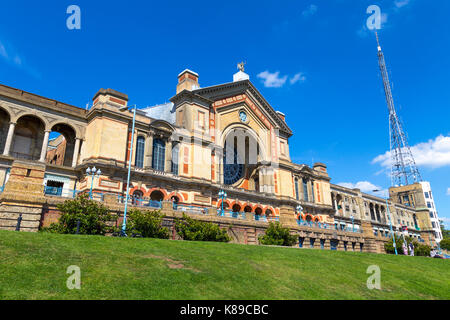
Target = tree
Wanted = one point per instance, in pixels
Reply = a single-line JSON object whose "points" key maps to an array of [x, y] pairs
{"points": [[445, 243], [277, 235], [194, 230], [91, 216], [419, 249], [147, 224]]}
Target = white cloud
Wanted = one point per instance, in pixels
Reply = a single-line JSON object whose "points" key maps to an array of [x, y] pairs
{"points": [[401, 3], [365, 186], [433, 154], [310, 11], [272, 80], [448, 191], [298, 77], [3, 51]]}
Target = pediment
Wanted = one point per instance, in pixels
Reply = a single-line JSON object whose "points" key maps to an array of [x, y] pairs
{"points": [[229, 94], [162, 125]]}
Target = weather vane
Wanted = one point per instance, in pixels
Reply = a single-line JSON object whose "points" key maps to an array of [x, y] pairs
{"points": [[241, 66]]}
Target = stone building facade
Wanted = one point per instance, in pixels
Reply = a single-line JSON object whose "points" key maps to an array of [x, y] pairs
{"points": [[223, 137]]}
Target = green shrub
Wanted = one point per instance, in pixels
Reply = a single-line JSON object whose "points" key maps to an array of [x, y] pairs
{"points": [[277, 235], [194, 230], [147, 224], [419, 249], [445, 244], [93, 217]]}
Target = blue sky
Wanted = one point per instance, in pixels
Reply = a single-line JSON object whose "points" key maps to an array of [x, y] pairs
{"points": [[313, 60]]}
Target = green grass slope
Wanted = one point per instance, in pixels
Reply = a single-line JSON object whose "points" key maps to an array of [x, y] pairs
{"points": [[33, 266]]}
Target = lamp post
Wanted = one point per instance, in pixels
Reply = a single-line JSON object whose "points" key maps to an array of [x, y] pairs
{"points": [[223, 195], [93, 172], [299, 209], [124, 223], [390, 223]]}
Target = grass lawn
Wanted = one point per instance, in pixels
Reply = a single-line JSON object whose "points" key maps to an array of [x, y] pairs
{"points": [[33, 266]]}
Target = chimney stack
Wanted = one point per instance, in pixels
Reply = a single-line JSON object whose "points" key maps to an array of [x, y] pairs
{"points": [[187, 80]]}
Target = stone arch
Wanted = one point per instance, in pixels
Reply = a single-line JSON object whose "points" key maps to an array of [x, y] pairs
{"points": [[5, 119], [28, 137], [137, 196], [36, 114], [61, 145], [157, 195], [251, 132], [75, 128], [176, 194], [226, 204], [236, 207], [163, 191], [248, 208]]}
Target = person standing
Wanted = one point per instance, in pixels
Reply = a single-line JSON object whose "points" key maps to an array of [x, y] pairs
{"points": [[405, 248], [411, 248]]}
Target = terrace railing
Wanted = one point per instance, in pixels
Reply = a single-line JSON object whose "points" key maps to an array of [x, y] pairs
{"points": [[190, 209], [320, 225]]}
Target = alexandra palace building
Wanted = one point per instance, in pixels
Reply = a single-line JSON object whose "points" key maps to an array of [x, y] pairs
{"points": [[225, 137]]}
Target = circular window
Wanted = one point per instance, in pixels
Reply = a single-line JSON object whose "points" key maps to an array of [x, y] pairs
{"points": [[243, 116], [233, 171]]}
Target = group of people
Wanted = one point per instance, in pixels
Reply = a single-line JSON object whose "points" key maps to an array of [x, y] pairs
{"points": [[408, 249], [435, 254]]}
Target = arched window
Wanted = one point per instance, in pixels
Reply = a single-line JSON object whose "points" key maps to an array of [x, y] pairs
{"points": [[159, 154], [305, 190], [296, 189], [175, 153], [140, 147]]}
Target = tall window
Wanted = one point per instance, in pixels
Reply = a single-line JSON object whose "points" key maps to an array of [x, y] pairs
{"points": [[159, 154], [175, 155], [140, 147], [296, 189], [305, 190]]}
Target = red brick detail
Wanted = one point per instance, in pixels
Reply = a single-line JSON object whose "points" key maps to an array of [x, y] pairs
{"points": [[112, 99]]}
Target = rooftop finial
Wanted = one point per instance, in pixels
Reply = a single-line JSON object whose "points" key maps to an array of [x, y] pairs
{"points": [[241, 66]]}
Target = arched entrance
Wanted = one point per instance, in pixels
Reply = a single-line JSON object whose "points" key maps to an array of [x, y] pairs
{"points": [[137, 197], [242, 152], [61, 145], [28, 138], [157, 196], [236, 208], [4, 127]]}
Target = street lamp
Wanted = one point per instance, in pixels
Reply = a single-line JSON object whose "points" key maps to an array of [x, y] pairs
{"points": [[93, 172], [299, 209], [390, 223], [223, 195], [124, 224]]}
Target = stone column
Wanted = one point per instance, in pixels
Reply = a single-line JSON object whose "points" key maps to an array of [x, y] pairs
{"points": [[335, 204], [76, 151], [168, 166], [9, 138], [261, 180], [44, 146], [148, 151], [221, 179]]}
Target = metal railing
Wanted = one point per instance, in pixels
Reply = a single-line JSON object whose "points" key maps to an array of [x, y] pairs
{"points": [[60, 192], [140, 202], [190, 209], [327, 226]]}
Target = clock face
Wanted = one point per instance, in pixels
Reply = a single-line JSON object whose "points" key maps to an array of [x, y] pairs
{"points": [[243, 116]]}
